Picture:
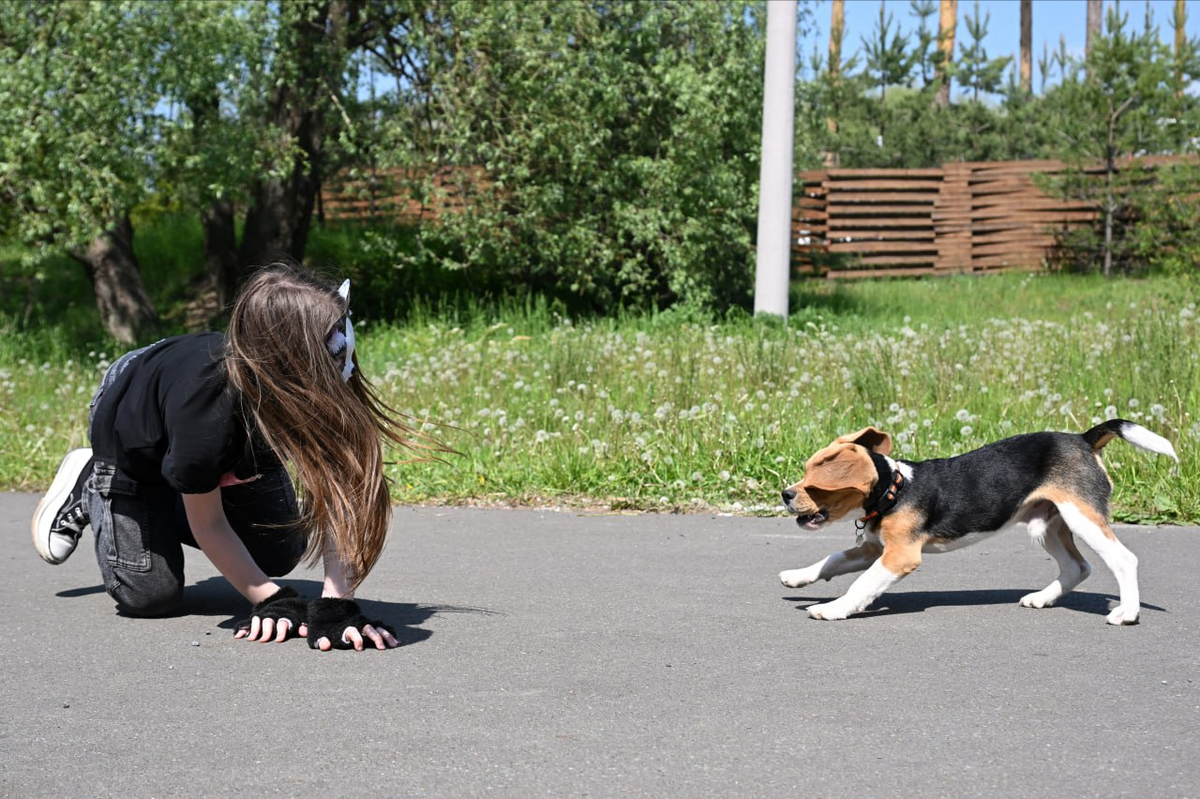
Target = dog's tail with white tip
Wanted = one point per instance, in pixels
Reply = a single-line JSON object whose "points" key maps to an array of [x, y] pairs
{"points": [[1135, 434]]}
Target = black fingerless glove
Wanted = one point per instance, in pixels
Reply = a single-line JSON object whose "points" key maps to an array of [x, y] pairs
{"points": [[329, 618], [283, 604]]}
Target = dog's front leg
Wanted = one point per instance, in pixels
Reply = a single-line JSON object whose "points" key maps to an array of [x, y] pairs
{"points": [[854, 559], [895, 563]]}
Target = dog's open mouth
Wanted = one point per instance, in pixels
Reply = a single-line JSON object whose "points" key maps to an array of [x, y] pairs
{"points": [[813, 520]]}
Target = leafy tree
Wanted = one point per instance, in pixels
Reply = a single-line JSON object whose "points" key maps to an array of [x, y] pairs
{"points": [[267, 103], [77, 82], [607, 152], [215, 146], [216, 105]]}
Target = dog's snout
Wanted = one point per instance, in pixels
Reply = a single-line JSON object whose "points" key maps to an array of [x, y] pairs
{"points": [[788, 496]]}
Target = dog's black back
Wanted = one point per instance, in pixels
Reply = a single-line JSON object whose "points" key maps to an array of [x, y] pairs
{"points": [[979, 490]]}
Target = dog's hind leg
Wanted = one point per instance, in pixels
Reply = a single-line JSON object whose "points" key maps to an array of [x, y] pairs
{"points": [[1096, 533], [1053, 534], [854, 559]]}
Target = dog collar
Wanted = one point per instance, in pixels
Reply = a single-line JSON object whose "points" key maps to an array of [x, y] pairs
{"points": [[884, 495]]}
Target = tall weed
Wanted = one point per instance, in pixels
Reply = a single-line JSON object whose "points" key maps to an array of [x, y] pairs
{"points": [[681, 410]]}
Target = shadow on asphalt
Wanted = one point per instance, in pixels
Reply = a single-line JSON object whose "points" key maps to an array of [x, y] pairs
{"points": [[86, 590], [919, 601], [214, 596]]}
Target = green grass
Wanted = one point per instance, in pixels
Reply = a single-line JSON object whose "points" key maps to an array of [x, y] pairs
{"points": [[679, 411]]}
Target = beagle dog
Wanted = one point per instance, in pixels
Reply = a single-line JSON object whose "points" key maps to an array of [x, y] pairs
{"points": [[1053, 483]]}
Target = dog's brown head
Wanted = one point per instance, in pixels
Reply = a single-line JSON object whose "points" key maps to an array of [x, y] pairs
{"points": [[838, 479]]}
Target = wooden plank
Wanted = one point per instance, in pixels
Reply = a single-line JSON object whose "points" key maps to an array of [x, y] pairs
{"points": [[839, 173], [858, 274], [1008, 183], [995, 167], [879, 209], [996, 264], [985, 249], [901, 238], [901, 248], [924, 198], [1015, 235], [1016, 205], [986, 222], [882, 259], [884, 184], [879, 223]]}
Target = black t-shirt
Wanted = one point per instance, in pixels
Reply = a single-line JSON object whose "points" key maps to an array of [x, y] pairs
{"points": [[171, 417]]}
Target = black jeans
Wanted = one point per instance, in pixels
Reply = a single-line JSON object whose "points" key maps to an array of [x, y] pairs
{"points": [[141, 528]]}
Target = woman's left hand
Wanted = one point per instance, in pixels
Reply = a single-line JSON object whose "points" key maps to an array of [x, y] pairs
{"points": [[340, 624], [379, 635]]}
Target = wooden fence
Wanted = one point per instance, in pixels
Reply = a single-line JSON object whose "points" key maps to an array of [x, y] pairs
{"points": [[961, 217]]}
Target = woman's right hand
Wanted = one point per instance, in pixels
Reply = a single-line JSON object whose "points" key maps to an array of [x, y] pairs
{"points": [[275, 618]]}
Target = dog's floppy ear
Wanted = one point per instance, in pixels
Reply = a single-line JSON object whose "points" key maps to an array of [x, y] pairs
{"points": [[840, 466], [872, 438]]}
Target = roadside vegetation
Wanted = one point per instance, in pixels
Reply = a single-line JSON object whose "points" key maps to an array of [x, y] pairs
{"points": [[685, 410], [547, 210]]}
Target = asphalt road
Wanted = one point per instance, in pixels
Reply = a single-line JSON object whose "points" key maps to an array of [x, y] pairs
{"points": [[563, 654]]}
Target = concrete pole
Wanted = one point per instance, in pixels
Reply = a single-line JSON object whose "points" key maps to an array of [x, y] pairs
{"points": [[773, 266]]}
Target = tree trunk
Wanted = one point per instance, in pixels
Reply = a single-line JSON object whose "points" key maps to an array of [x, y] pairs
{"points": [[837, 27], [1027, 46], [121, 298], [947, 22], [1179, 18], [220, 249], [280, 215], [1095, 19], [1110, 168], [216, 218]]}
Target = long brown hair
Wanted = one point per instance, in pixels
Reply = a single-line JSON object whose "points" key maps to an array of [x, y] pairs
{"points": [[331, 432]]}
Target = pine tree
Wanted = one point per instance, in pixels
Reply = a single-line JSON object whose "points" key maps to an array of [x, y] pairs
{"points": [[926, 55], [1115, 107], [889, 62], [974, 69]]}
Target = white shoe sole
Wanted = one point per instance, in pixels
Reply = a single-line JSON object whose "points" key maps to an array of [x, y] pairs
{"points": [[48, 508]]}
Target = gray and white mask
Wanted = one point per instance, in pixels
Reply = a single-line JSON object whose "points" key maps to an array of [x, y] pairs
{"points": [[341, 339]]}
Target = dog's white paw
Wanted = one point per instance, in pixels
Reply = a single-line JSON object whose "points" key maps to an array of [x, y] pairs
{"points": [[1123, 615], [830, 611], [798, 578], [1040, 599]]}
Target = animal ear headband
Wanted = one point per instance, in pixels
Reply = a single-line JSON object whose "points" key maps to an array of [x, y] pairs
{"points": [[341, 338]]}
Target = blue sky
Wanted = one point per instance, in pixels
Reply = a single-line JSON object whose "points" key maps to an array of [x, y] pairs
{"points": [[1051, 18]]}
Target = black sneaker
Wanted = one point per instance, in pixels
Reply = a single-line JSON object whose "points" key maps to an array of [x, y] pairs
{"points": [[62, 514]]}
